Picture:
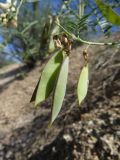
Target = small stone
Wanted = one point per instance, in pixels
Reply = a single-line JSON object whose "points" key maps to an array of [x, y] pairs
{"points": [[1, 153], [18, 155], [118, 133], [9, 154], [1, 147], [90, 123], [1, 158], [2, 134], [24, 145], [67, 138], [54, 149]]}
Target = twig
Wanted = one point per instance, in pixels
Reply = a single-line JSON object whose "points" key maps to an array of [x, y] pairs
{"points": [[29, 26], [18, 8], [84, 41]]}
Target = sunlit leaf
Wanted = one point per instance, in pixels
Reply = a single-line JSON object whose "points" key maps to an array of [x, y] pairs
{"points": [[48, 77], [82, 84], [60, 89], [108, 12]]}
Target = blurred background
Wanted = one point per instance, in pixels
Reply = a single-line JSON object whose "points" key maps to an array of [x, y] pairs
{"points": [[36, 23]]}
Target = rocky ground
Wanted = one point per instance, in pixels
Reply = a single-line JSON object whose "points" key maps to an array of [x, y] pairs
{"points": [[89, 132]]}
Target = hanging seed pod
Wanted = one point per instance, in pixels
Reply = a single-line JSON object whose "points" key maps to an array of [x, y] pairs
{"points": [[60, 89], [48, 77], [82, 87]]}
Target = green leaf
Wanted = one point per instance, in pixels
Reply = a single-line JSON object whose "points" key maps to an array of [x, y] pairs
{"points": [[108, 13], [60, 89], [48, 77], [81, 8], [82, 84]]}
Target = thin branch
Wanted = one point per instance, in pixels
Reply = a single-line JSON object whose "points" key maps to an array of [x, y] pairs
{"points": [[29, 26], [84, 41], [18, 8]]}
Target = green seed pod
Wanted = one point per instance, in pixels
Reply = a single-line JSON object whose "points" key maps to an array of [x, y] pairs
{"points": [[48, 77], [82, 84], [60, 89]]}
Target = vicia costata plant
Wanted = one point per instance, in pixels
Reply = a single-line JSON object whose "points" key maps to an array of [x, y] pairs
{"points": [[53, 79]]}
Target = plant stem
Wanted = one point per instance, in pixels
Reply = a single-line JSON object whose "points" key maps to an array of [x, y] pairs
{"points": [[18, 8], [29, 26], [84, 41]]}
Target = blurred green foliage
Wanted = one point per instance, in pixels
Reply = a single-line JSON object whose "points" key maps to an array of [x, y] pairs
{"points": [[35, 30]]}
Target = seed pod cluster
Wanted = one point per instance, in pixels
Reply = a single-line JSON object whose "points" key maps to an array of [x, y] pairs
{"points": [[63, 41], [53, 81]]}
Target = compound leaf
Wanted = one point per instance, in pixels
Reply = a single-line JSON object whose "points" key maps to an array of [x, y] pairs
{"points": [[81, 8], [60, 89], [48, 77], [82, 84], [108, 12]]}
